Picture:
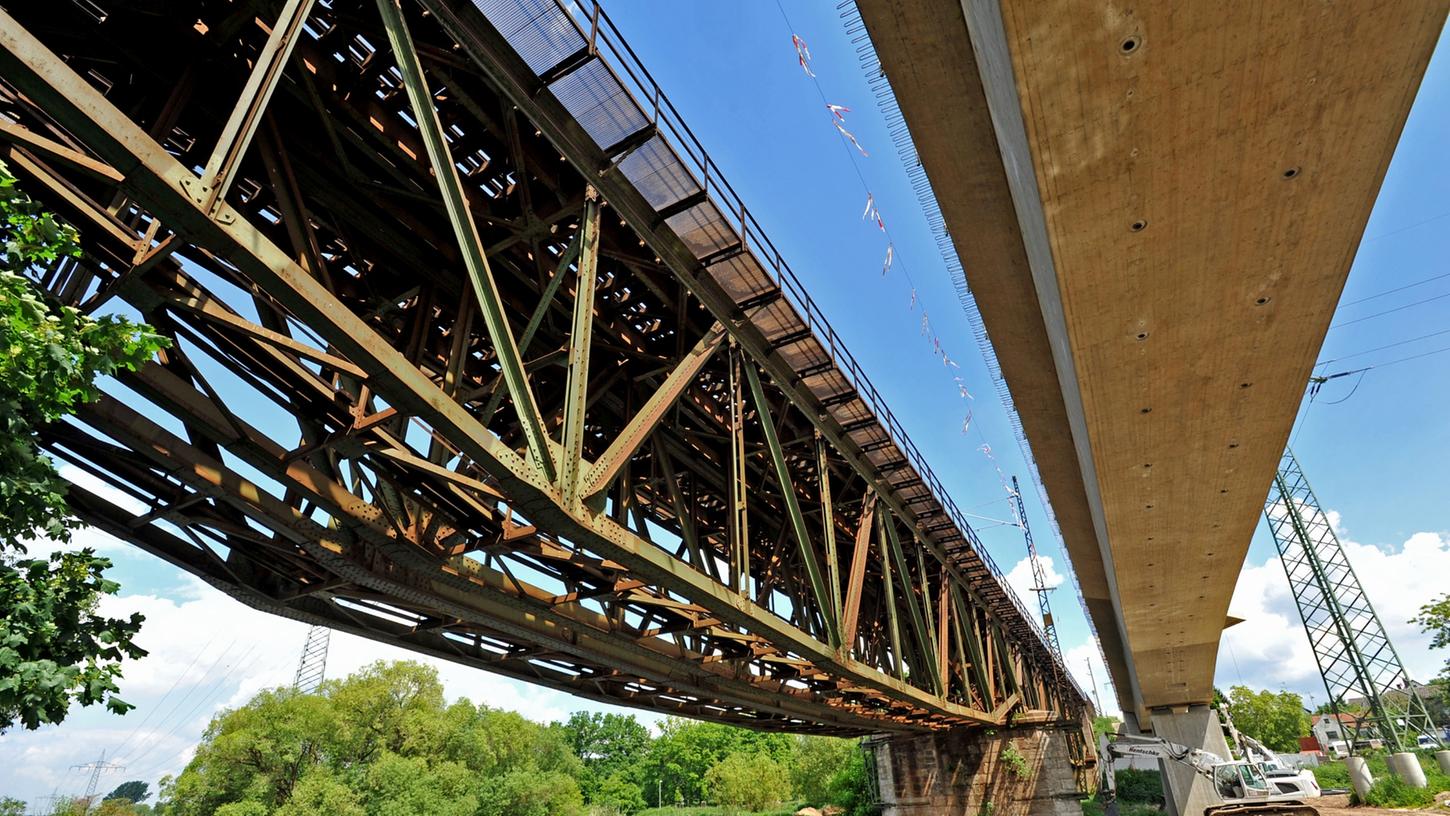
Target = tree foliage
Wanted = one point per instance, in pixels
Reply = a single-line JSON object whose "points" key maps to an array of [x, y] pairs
{"points": [[133, 791], [382, 742], [685, 751], [1434, 620], [749, 781], [55, 651], [1277, 719]]}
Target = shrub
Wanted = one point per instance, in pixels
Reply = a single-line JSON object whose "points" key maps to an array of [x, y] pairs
{"points": [[1145, 787], [749, 781], [1391, 792]]}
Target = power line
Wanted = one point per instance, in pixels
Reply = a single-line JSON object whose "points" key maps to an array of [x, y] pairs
{"points": [[125, 743], [1396, 289], [1390, 311], [1382, 348]]}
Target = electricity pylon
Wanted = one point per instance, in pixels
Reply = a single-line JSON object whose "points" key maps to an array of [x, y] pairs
{"points": [[1354, 653], [313, 663], [1039, 579], [96, 768]]}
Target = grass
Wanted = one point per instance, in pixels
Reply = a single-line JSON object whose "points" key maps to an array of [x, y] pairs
{"points": [[1388, 791]]}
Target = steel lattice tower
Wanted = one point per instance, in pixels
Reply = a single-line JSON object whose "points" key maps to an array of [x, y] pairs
{"points": [[1354, 653], [313, 664], [1039, 580]]}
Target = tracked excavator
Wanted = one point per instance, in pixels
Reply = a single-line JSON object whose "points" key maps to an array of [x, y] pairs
{"points": [[1239, 786]]}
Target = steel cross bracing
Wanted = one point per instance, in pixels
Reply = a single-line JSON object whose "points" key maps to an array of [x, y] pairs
{"points": [[475, 353], [1366, 682]]}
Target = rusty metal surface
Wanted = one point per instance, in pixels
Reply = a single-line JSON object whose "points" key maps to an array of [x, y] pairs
{"points": [[331, 437]]}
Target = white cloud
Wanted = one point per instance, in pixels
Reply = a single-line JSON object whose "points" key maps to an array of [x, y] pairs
{"points": [[1270, 649], [1078, 658], [1020, 579]]}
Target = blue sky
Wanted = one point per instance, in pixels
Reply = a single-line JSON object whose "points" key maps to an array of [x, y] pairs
{"points": [[1376, 458]]}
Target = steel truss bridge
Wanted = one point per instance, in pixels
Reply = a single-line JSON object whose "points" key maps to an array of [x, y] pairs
{"points": [[475, 351]]}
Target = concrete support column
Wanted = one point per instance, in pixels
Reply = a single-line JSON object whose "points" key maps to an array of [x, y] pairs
{"points": [[1359, 776], [1443, 758], [1406, 766], [1185, 792], [977, 772]]}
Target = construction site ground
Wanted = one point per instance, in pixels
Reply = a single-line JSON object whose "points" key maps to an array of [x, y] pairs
{"points": [[1338, 805]]}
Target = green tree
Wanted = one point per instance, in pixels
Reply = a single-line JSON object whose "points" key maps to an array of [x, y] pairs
{"points": [[1105, 726], [10, 806], [1434, 620], [813, 767], [1275, 719], [748, 781], [381, 742], [617, 796], [674, 770], [55, 651], [133, 791], [611, 746]]}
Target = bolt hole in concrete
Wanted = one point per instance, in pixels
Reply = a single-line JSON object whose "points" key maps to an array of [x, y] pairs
{"points": [[1146, 411], [1138, 226], [1291, 172], [1142, 335], [1261, 301], [1130, 45]]}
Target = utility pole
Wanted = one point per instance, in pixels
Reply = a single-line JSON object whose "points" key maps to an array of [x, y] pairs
{"points": [[1350, 644], [96, 768], [1097, 704], [313, 664]]}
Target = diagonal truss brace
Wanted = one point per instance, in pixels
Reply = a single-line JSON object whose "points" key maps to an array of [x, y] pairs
{"points": [[479, 273]]}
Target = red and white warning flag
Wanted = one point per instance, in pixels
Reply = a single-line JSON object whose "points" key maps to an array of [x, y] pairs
{"points": [[848, 134], [890, 252], [872, 213], [967, 422], [838, 111], [802, 54], [912, 306], [925, 323]]}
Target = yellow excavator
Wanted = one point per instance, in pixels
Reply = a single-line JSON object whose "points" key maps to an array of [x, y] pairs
{"points": [[1240, 786]]}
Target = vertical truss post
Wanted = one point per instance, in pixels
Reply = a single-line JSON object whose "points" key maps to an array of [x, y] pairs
{"points": [[793, 508], [943, 623], [856, 582], [894, 627], [913, 604], [474, 259], [576, 392], [241, 126], [739, 526], [1351, 646], [828, 524]]}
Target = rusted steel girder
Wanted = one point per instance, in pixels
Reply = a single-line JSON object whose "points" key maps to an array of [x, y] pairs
{"points": [[331, 295]]}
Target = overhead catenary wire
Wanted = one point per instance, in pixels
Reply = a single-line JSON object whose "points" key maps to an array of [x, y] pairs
{"points": [[1390, 311], [1430, 279], [1382, 348]]}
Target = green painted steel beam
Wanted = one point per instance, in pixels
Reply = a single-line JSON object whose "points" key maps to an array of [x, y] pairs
{"points": [[797, 519], [474, 259], [632, 437], [581, 341], [924, 643]]}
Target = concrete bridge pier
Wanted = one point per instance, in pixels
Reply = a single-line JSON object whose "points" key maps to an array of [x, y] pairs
{"points": [[1186, 792], [1024, 771]]}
